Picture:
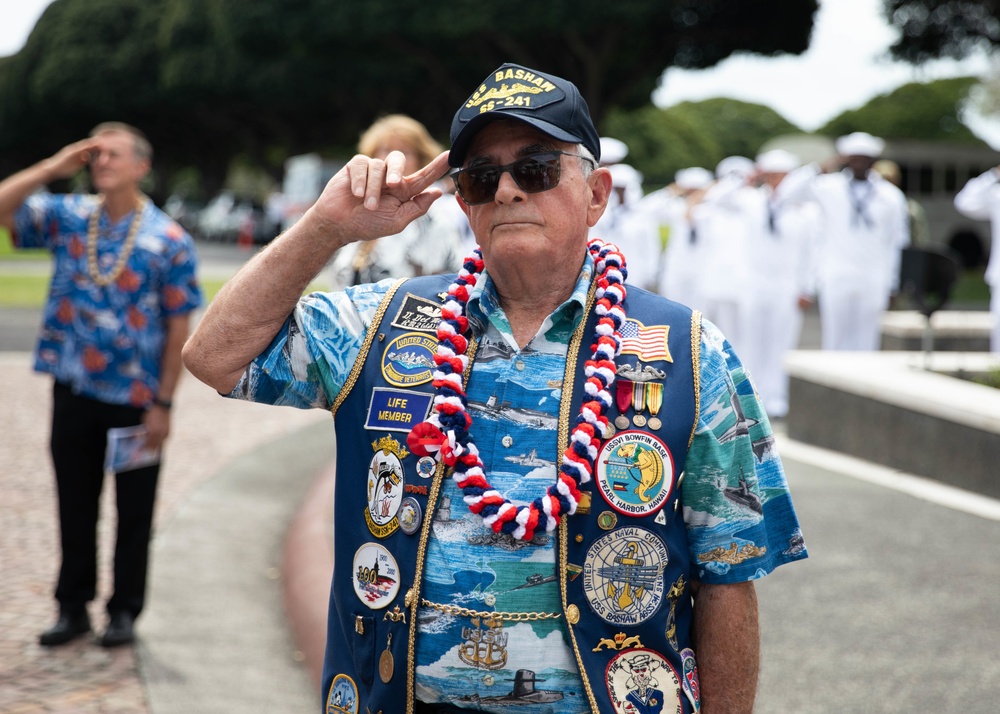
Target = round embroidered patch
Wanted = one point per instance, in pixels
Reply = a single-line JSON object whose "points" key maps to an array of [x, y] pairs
{"points": [[410, 515], [635, 473], [343, 696], [641, 680], [376, 576], [426, 466], [409, 360], [623, 575]]}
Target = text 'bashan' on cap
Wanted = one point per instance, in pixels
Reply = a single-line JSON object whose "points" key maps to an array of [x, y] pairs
{"points": [[551, 104]]}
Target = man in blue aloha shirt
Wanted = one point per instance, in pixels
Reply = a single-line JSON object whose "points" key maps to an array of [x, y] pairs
{"points": [[122, 290], [554, 490]]}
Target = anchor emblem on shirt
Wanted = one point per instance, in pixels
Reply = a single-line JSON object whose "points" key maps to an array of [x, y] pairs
{"points": [[484, 649]]}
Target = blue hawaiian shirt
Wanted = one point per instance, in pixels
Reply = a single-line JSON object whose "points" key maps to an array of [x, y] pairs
{"points": [[107, 342], [514, 402]]}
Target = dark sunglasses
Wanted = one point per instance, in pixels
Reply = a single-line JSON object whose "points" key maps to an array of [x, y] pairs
{"points": [[533, 174]]}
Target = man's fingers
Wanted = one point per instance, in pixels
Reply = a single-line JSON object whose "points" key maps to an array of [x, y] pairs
{"points": [[373, 189], [426, 176], [357, 173], [395, 164]]}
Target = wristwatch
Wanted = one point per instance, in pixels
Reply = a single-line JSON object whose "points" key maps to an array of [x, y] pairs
{"points": [[161, 402]]}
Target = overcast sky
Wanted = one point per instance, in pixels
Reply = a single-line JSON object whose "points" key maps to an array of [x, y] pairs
{"points": [[846, 65]]}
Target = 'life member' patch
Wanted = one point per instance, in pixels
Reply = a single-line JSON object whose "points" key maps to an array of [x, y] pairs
{"points": [[623, 575], [397, 409], [375, 576], [409, 360], [641, 680], [635, 473]]}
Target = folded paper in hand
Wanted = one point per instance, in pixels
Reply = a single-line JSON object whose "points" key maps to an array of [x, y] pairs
{"points": [[125, 450]]}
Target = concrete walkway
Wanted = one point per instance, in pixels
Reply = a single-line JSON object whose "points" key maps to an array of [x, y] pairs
{"points": [[233, 475]]}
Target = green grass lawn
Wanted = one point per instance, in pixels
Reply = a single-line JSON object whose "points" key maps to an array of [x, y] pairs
{"points": [[29, 291], [8, 254]]}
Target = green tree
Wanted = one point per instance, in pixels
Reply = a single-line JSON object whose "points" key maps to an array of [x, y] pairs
{"points": [[662, 141], [740, 128], [942, 28], [928, 112], [211, 79]]}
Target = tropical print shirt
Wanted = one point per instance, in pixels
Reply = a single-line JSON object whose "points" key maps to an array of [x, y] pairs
{"points": [[514, 399], [106, 343]]}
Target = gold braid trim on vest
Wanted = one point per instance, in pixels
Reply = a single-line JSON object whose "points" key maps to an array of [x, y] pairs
{"points": [[366, 346], [695, 369]]}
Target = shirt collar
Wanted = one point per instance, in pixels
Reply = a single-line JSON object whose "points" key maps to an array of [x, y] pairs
{"points": [[484, 303]]}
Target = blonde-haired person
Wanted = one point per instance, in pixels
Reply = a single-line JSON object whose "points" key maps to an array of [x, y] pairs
{"points": [[431, 244]]}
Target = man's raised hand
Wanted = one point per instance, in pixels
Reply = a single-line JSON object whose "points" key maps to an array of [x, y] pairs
{"points": [[370, 198]]}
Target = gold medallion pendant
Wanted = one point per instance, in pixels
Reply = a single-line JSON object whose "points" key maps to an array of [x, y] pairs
{"points": [[386, 666]]}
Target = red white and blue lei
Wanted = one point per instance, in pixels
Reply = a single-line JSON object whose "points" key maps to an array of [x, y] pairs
{"points": [[445, 434]]}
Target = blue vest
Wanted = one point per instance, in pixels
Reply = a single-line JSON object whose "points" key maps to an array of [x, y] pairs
{"points": [[622, 560]]}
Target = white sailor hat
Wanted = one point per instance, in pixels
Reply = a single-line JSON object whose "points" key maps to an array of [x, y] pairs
{"points": [[693, 178], [612, 150], [860, 144], [734, 166], [623, 175], [777, 161]]}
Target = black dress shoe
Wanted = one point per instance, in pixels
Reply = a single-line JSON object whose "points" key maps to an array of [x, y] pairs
{"points": [[68, 627], [119, 632]]}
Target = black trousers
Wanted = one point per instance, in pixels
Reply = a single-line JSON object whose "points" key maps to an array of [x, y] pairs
{"points": [[78, 443]]}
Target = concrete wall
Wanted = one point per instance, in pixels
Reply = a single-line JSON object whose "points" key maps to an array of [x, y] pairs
{"points": [[886, 408]]}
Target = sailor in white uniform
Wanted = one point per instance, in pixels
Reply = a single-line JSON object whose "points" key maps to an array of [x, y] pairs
{"points": [[723, 234], [980, 200], [633, 230], [673, 208], [782, 244], [865, 228]]}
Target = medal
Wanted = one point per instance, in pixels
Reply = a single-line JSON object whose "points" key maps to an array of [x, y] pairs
{"points": [[654, 396], [623, 398], [639, 403], [385, 664]]}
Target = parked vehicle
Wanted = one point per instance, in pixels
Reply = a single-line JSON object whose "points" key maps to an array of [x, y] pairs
{"points": [[305, 177]]}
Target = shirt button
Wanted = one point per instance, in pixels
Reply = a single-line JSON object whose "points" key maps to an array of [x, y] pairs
{"points": [[519, 366], [507, 441], [488, 680], [490, 599]]}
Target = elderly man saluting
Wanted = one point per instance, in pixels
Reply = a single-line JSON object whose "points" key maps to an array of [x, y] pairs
{"points": [[512, 525]]}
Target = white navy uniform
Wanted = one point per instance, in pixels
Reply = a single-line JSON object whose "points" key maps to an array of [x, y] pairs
{"points": [[782, 251], [865, 228], [979, 199], [634, 231], [681, 263]]}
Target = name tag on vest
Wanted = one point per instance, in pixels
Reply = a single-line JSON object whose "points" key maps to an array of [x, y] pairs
{"points": [[397, 409]]}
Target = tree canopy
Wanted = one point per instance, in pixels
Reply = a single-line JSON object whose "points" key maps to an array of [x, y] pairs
{"points": [[210, 79], [928, 112], [931, 29], [663, 141]]}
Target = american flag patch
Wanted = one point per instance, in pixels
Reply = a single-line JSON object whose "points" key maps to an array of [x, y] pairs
{"points": [[648, 343]]}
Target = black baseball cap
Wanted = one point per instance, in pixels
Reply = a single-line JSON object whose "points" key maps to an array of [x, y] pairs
{"points": [[549, 103]]}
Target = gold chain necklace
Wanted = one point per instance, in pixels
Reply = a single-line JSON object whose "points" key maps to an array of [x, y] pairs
{"points": [[105, 279]]}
